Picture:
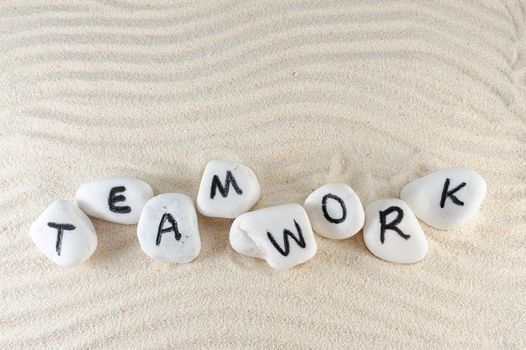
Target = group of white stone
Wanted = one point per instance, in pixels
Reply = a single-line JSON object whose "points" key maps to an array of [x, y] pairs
{"points": [[282, 235]]}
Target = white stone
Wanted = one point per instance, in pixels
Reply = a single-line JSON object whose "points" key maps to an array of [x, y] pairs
{"points": [[437, 199], [394, 248], [227, 189], [64, 234], [281, 235], [335, 211], [168, 229], [117, 199]]}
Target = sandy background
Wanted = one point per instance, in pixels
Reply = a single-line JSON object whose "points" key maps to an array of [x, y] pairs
{"points": [[373, 93]]}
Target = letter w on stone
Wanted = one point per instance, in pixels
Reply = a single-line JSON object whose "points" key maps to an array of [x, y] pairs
{"points": [[286, 234]]}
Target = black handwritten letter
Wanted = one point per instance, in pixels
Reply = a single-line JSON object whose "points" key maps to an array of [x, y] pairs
{"points": [[450, 194], [60, 232], [113, 198], [173, 227], [326, 214], [392, 225], [216, 185], [286, 234]]}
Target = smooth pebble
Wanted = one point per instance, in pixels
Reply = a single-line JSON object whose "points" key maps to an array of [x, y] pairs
{"points": [[64, 234], [118, 199], [227, 189], [392, 232], [168, 228], [335, 211], [281, 235], [446, 198]]}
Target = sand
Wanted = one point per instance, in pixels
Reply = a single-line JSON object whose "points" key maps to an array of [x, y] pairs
{"points": [[372, 93]]}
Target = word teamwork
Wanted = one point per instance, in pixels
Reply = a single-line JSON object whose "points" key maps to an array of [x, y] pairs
{"points": [[167, 224]]}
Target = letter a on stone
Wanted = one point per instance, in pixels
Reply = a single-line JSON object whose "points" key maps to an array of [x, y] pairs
{"points": [[172, 228], [168, 229]]}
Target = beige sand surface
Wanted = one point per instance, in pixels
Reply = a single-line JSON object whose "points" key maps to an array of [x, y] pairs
{"points": [[373, 93]]}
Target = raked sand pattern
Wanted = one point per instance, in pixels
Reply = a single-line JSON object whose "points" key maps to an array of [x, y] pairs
{"points": [[371, 93]]}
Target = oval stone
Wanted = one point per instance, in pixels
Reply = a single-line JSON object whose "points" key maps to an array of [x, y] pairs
{"points": [[280, 235], [64, 234], [446, 198], [335, 211], [392, 232], [168, 228], [227, 189], [118, 199]]}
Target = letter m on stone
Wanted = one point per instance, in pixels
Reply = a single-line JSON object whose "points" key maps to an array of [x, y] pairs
{"points": [[218, 186]]}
